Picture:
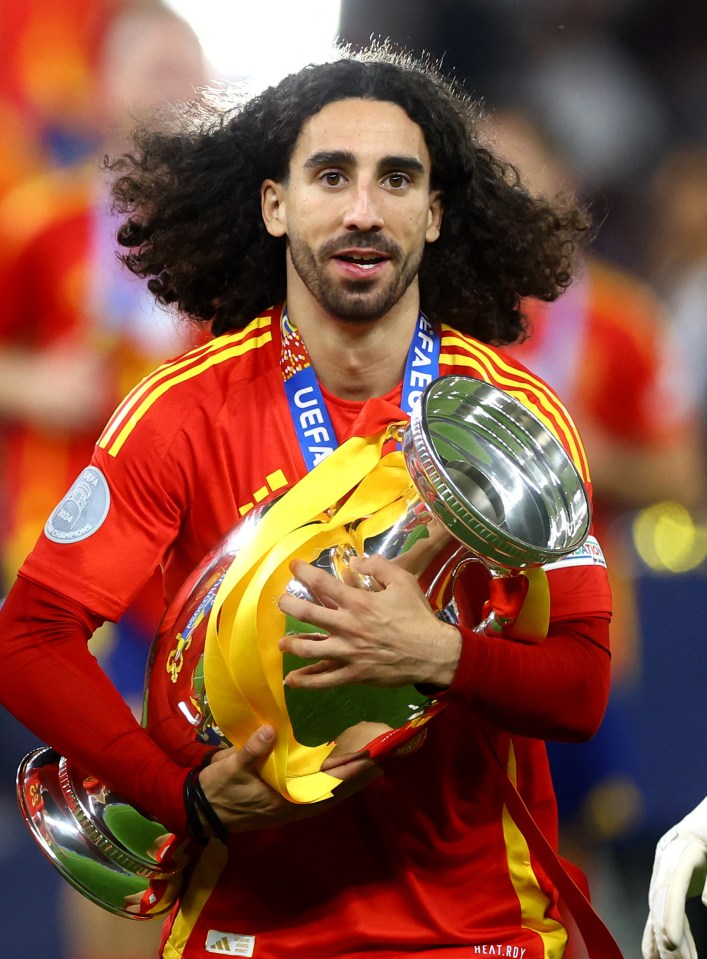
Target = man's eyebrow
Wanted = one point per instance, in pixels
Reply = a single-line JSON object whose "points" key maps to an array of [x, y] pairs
{"points": [[330, 158], [323, 158], [408, 164]]}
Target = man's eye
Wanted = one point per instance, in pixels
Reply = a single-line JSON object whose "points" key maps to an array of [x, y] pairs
{"points": [[332, 178], [397, 180]]}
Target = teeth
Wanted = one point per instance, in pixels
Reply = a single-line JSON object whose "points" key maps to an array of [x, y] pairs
{"points": [[362, 261]]}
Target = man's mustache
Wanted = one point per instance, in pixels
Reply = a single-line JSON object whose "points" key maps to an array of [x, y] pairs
{"points": [[361, 241]]}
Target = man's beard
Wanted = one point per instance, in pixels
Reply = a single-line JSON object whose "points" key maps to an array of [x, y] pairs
{"points": [[352, 300]]}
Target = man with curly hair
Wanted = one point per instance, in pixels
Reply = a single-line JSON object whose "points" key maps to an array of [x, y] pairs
{"points": [[345, 218]]}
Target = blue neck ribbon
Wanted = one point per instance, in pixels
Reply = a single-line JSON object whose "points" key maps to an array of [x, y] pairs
{"points": [[308, 410]]}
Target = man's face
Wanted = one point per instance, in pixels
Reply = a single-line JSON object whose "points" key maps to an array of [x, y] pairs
{"points": [[357, 208]]}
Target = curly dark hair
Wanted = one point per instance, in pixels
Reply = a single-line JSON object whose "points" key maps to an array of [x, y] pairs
{"points": [[195, 230]]}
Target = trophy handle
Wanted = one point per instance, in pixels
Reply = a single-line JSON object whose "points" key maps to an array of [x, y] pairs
{"points": [[531, 625]]}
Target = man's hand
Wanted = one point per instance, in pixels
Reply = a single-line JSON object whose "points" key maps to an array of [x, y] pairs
{"points": [[386, 638], [244, 801], [679, 871]]}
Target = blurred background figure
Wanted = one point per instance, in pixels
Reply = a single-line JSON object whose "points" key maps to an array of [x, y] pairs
{"points": [[676, 253], [618, 82], [679, 873], [77, 331], [47, 59], [609, 349]]}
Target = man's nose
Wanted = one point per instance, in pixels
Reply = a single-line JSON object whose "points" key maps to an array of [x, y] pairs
{"points": [[363, 213]]}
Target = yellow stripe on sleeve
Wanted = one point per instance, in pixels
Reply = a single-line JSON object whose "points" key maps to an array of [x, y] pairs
{"points": [[173, 366]]}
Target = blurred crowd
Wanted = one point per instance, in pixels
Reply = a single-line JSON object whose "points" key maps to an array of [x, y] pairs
{"points": [[602, 98]]}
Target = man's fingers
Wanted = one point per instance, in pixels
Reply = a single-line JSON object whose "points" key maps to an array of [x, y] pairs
{"points": [[222, 755], [322, 584], [319, 615], [384, 571], [312, 646], [313, 669], [259, 745], [355, 740], [347, 765], [322, 675]]}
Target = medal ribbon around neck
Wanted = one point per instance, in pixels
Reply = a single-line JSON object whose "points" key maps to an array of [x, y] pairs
{"points": [[315, 432]]}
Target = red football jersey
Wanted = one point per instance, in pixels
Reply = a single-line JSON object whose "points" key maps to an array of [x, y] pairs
{"points": [[427, 858]]}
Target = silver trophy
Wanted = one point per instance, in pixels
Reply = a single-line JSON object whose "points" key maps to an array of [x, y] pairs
{"points": [[490, 484]]}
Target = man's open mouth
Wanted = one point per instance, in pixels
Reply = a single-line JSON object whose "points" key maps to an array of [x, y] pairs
{"points": [[367, 261]]}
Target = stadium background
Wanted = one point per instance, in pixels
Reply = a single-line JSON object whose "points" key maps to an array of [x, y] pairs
{"points": [[623, 87]]}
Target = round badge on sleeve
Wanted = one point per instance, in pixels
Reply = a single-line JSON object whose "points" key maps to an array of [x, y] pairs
{"points": [[83, 509]]}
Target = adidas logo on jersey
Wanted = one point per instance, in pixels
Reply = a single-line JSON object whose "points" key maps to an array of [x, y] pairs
{"points": [[229, 944]]}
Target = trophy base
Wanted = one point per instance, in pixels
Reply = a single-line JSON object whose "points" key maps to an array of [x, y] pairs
{"points": [[111, 853]]}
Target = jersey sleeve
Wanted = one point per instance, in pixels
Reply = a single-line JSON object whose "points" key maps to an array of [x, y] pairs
{"points": [[579, 584], [554, 690]]}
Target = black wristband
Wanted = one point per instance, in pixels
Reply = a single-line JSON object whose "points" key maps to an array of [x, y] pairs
{"points": [[209, 812], [194, 824], [195, 801]]}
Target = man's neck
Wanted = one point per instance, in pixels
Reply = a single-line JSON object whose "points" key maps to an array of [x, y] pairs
{"points": [[357, 361]]}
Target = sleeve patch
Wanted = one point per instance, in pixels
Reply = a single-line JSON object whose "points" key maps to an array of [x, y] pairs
{"points": [[82, 511], [588, 554]]}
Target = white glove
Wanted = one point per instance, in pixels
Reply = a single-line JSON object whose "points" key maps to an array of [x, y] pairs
{"points": [[679, 871]]}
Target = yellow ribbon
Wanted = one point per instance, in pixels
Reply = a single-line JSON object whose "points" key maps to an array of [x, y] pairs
{"points": [[532, 622], [242, 661]]}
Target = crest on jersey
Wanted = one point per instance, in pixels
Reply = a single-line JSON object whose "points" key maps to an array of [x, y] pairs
{"points": [[82, 511]]}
